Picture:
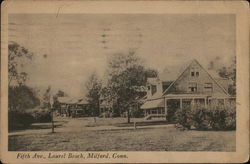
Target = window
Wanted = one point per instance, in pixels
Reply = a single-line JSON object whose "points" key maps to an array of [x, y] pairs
{"points": [[153, 89], [195, 72], [149, 87], [192, 87], [208, 87], [154, 111]]}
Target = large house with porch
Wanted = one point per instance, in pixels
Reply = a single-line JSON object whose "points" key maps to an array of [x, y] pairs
{"points": [[175, 90]]}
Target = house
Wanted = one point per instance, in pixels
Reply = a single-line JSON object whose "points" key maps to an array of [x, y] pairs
{"points": [[72, 107], [175, 90]]}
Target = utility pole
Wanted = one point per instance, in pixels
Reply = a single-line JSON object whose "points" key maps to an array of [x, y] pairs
{"points": [[52, 119], [52, 113]]}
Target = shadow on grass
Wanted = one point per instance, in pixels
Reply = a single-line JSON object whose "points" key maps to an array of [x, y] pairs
{"points": [[144, 123], [127, 130], [38, 126]]}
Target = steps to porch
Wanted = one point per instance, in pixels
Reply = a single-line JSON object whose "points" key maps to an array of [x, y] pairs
{"points": [[150, 116]]}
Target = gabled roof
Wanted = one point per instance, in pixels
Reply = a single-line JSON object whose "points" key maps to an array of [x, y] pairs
{"points": [[68, 100], [183, 70], [63, 99], [171, 73]]}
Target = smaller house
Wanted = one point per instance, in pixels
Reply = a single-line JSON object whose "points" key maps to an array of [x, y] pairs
{"points": [[70, 107]]}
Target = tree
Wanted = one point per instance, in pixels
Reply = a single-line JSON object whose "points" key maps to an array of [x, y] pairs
{"points": [[230, 73], [46, 98], [16, 58], [22, 98], [93, 87], [126, 78]]}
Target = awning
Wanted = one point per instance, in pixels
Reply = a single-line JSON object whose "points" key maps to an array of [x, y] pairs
{"points": [[149, 104]]}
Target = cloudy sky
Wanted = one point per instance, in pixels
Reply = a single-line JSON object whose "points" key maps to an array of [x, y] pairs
{"points": [[68, 47]]}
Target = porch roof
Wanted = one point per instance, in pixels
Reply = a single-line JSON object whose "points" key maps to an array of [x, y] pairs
{"points": [[186, 95], [153, 104], [192, 95]]}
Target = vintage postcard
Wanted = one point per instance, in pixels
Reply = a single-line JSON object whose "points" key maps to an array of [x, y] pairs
{"points": [[124, 81]]}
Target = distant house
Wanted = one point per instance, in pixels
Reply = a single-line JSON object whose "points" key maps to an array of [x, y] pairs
{"points": [[175, 90], [73, 107]]}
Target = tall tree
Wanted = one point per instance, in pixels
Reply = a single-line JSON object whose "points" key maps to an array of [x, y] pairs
{"points": [[93, 87], [22, 98], [230, 73], [46, 101], [126, 78], [17, 57]]}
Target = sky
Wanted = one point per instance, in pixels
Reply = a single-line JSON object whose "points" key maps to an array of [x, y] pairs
{"points": [[69, 47]]}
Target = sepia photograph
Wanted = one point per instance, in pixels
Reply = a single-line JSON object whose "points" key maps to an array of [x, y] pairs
{"points": [[117, 82]]}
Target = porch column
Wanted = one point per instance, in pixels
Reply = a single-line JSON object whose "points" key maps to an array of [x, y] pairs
{"points": [[166, 105], [192, 103], [180, 103], [205, 100]]}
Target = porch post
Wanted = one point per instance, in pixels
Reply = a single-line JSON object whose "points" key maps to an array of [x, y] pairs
{"points": [[205, 100], [166, 106], [180, 103]]}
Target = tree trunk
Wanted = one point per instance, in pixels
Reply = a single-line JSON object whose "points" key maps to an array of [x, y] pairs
{"points": [[128, 115]]}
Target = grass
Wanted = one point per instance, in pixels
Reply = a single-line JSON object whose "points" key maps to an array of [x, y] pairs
{"points": [[122, 122], [149, 139]]}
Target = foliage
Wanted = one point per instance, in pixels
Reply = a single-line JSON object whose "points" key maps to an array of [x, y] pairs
{"points": [[46, 99], [40, 115], [230, 73], [137, 113], [19, 119], [215, 117], [172, 106], [93, 87], [22, 97], [23, 119], [182, 118], [17, 57], [125, 77]]}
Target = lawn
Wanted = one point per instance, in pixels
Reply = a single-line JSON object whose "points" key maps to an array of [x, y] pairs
{"points": [[147, 139]]}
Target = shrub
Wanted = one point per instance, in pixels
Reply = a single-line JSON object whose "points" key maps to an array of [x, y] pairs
{"points": [[182, 118], [40, 115], [19, 119], [215, 117], [137, 113], [199, 118]]}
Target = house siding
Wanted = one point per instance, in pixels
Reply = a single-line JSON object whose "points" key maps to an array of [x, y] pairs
{"points": [[181, 85]]}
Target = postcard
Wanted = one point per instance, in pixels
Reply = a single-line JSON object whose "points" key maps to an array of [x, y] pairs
{"points": [[124, 81]]}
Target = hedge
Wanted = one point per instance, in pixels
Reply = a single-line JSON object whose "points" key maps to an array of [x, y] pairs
{"points": [[23, 119], [19, 120], [211, 118]]}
